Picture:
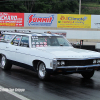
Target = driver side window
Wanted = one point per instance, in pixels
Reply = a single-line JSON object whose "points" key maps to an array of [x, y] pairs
{"points": [[16, 40], [24, 41]]}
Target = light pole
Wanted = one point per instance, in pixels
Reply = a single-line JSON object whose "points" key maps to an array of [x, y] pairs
{"points": [[79, 6]]}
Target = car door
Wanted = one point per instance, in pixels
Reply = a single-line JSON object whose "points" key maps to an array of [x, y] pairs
{"points": [[12, 48], [23, 51]]}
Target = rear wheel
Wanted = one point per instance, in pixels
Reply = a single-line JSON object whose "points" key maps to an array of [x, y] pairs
{"points": [[5, 65], [42, 73], [87, 75]]}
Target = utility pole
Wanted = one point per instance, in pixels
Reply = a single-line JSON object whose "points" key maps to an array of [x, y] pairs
{"points": [[79, 6]]}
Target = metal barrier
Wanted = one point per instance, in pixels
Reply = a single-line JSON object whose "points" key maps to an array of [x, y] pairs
{"points": [[87, 47]]}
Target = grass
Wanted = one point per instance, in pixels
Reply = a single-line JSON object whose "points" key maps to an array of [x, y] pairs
{"points": [[89, 4], [90, 8]]}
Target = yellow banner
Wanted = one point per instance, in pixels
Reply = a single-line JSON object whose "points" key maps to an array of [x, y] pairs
{"points": [[7, 24], [73, 21]]}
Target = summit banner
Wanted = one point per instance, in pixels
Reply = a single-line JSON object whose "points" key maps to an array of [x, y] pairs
{"points": [[11, 19], [40, 20], [73, 21]]}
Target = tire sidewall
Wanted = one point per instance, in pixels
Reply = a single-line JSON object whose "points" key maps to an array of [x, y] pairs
{"points": [[3, 67], [7, 65], [88, 75], [46, 74]]}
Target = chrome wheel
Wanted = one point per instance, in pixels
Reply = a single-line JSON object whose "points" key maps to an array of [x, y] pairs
{"points": [[42, 70], [42, 73], [3, 62]]}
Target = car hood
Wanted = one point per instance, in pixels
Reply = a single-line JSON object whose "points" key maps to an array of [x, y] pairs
{"points": [[70, 52]]}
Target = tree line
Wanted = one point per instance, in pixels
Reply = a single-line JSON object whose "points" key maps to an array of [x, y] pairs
{"points": [[46, 6], [39, 6]]}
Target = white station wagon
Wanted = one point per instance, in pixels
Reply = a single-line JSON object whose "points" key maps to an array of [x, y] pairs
{"points": [[47, 54]]}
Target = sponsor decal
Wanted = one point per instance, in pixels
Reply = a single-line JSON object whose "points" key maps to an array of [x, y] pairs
{"points": [[45, 45], [70, 20], [97, 25], [33, 42], [37, 45], [33, 46], [33, 19], [12, 19], [45, 39], [18, 38], [41, 42], [37, 42], [95, 21], [45, 42], [73, 21], [35, 39], [41, 45], [12, 89]]}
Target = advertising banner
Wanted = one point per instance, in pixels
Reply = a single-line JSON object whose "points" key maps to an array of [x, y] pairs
{"points": [[40, 20], [95, 21], [11, 19], [73, 21]]}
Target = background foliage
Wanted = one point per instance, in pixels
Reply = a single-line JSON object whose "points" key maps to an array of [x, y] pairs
{"points": [[50, 6]]}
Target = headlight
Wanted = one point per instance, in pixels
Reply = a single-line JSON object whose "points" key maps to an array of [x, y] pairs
{"points": [[58, 63], [62, 63], [94, 61], [98, 61], [54, 64]]}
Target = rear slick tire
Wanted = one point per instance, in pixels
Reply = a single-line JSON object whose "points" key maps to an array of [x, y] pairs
{"points": [[5, 64], [87, 75]]}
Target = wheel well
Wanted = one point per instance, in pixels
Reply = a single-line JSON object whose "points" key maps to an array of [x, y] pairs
{"points": [[0, 56], [36, 63]]}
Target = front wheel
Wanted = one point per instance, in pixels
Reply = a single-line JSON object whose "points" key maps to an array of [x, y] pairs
{"points": [[87, 75], [5, 65], [42, 73]]}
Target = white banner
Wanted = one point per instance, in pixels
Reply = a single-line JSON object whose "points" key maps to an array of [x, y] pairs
{"points": [[95, 21]]}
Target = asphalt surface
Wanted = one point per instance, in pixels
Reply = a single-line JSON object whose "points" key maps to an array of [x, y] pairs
{"points": [[69, 87]]}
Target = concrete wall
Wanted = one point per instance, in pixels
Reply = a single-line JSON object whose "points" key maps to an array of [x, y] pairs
{"points": [[88, 35]]}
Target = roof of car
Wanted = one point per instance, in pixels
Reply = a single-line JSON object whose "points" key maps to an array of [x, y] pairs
{"points": [[31, 33]]}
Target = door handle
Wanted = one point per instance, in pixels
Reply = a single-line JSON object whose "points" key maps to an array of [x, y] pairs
{"points": [[7, 47], [16, 49]]}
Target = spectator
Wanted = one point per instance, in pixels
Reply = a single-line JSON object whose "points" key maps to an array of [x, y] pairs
{"points": [[0, 33], [15, 30]]}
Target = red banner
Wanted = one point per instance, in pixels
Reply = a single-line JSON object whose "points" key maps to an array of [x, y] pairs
{"points": [[12, 19]]}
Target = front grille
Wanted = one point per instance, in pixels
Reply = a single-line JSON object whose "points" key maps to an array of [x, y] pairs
{"points": [[77, 62]]}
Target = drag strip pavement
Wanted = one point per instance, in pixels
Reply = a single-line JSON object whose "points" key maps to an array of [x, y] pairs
{"points": [[11, 91], [69, 87]]}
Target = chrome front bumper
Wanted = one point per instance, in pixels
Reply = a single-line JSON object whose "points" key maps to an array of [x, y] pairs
{"points": [[76, 67], [73, 69]]}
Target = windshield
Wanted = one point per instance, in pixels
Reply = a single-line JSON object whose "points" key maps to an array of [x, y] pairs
{"points": [[6, 37], [44, 41]]}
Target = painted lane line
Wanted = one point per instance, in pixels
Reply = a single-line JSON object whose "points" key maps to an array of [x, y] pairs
{"points": [[15, 94]]}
